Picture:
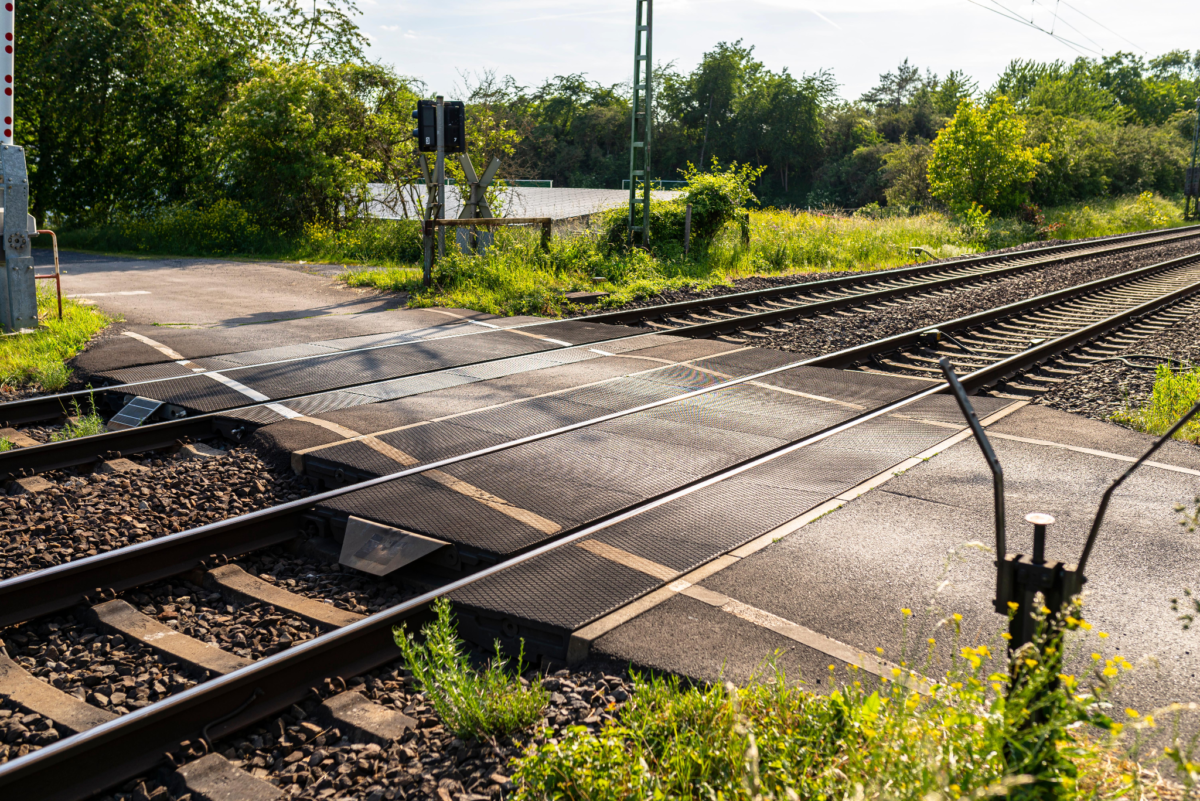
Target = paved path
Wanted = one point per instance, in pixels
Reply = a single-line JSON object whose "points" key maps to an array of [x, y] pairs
{"points": [[209, 292], [842, 579]]}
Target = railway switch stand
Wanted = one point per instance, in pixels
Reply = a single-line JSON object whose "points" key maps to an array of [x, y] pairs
{"points": [[1019, 578]]}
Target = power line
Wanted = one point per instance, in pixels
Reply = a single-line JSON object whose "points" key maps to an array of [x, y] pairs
{"points": [[1072, 27], [1008, 13], [1105, 27]]}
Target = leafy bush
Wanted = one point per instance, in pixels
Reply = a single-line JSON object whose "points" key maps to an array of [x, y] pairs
{"points": [[299, 141], [225, 228], [717, 197], [1176, 390], [979, 158], [471, 703], [976, 733], [906, 171]]}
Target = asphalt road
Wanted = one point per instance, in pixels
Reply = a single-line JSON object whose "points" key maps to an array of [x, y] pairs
{"points": [[209, 292]]}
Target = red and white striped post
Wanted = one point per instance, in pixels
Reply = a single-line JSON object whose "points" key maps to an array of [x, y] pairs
{"points": [[8, 28]]}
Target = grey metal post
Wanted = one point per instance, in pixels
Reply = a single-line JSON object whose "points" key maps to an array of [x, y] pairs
{"points": [[19, 305], [687, 229], [1191, 189], [440, 174]]}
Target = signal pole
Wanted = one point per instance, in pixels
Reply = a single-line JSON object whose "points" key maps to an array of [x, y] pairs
{"points": [[639, 142]]}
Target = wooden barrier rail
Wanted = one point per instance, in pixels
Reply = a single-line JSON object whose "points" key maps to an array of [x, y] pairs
{"points": [[480, 222]]}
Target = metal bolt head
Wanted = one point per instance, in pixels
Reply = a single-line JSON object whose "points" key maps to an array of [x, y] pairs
{"points": [[1039, 519]]}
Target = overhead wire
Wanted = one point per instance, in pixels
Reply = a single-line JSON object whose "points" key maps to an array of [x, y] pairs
{"points": [[1072, 27], [1010, 15], [1105, 27]]}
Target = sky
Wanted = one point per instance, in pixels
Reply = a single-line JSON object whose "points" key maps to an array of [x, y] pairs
{"points": [[857, 40]]}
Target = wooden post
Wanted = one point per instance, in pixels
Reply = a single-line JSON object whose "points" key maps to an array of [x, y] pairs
{"points": [[687, 228], [745, 221], [546, 235]]}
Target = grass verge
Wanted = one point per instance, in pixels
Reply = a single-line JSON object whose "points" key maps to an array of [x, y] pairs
{"points": [[470, 702], [1176, 390], [39, 359]]}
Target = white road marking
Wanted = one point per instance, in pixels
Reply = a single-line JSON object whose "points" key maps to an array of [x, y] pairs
{"points": [[158, 346], [108, 294]]}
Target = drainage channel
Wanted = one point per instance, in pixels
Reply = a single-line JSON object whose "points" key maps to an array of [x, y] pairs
{"points": [[233, 401], [515, 595]]}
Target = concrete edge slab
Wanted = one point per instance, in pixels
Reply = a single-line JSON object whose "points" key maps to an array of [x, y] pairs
{"points": [[365, 719], [214, 778], [233, 582], [29, 692], [121, 617], [579, 647]]}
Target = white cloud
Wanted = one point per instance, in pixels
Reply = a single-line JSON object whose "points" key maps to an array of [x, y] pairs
{"points": [[390, 28]]}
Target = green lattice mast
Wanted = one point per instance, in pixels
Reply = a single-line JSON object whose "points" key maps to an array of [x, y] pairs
{"points": [[639, 142]]}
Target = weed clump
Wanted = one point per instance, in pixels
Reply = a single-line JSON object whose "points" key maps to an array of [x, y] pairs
{"points": [[80, 424], [472, 703], [1176, 390]]}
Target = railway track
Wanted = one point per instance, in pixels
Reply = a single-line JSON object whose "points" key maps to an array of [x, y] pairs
{"points": [[1009, 350], [352, 376]]}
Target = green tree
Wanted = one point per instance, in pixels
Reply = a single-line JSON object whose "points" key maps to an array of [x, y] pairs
{"points": [[980, 158], [300, 142]]}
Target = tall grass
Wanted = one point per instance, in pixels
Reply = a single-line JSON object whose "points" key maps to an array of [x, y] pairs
{"points": [[1176, 390], [1111, 216], [977, 733], [470, 702], [81, 423], [39, 358], [516, 277]]}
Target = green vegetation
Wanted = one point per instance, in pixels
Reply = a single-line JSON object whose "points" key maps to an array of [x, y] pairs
{"points": [[978, 159], [976, 733], [226, 229], [6, 444], [516, 277], [80, 423], [1176, 390], [470, 703], [39, 358]]}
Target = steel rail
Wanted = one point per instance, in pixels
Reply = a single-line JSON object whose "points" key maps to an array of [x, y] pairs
{"points": [[59, 455], [62, 586], [854, 356], [52, 406], [1037, 257], [100, 757]]}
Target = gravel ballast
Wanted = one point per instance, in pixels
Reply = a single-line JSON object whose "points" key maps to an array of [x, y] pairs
{"points": [[827, 334], [1102, 390], [309, 759], [83, 515]]}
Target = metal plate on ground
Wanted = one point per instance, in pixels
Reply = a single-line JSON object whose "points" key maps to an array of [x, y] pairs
{"points": [[134, 413], [379, 550]]}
